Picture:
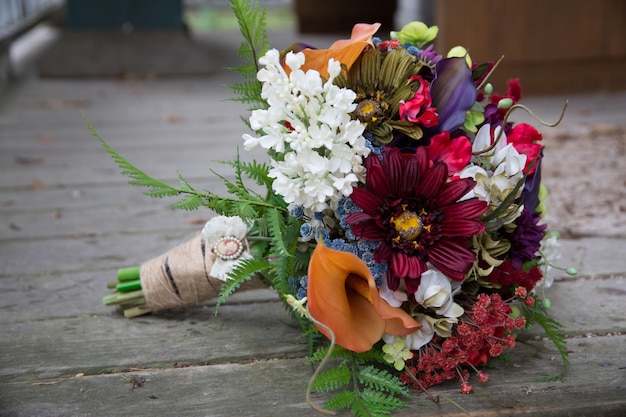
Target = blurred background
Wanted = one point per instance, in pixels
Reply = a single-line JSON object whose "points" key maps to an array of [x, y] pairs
{"points": [[555, 46]]}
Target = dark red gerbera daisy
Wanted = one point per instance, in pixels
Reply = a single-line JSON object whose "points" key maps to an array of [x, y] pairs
{"points": [[413, 211]]}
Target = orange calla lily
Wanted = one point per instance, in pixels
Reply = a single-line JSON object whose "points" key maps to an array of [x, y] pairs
{"points": [[342, 295], [345, 51]]}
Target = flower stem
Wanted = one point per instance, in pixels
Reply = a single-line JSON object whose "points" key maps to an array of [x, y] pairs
{"points": [[320, 366], [128, 274], [433, 398], [128, 286]]}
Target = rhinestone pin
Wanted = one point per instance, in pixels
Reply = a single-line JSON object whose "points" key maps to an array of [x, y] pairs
{"points": [[228, 248]]}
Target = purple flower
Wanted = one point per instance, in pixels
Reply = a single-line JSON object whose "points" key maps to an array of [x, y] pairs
{"points": [[526, 238], [453, 92]]}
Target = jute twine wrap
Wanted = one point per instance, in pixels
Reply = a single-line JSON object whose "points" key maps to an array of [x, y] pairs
{"points": [[180, 277]]}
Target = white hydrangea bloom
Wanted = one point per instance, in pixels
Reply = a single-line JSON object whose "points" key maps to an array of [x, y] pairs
{"points": [[318, 149], [500, 172]]}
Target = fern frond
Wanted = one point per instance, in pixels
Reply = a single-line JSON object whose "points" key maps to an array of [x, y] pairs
{"points": [[373, 355], [554, 330], [337, 353], [342, 400], [379, 403], [243, 272], [361, 386], [247, 211], [161, 192], [256, 171], [137, 177], [252, 25], [332, 379], [381, 380], [301, 262], [276, 228], [189, 203]]}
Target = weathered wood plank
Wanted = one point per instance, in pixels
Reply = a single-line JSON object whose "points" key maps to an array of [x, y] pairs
{"points": [[81, 253], [590, 306], [96, 251], [71, 295], [95, 344], [593, 256], [62, 222], [83, 196], [593, 386], [96, 167]]}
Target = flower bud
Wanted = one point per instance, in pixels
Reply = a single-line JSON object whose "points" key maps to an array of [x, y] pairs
{"points": [[505, 103], [547, 303]]}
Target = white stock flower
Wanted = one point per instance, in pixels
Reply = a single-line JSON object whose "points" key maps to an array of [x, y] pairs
{"points": [[318, 149]]}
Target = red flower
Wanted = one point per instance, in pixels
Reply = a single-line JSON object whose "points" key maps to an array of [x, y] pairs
{"points": [[524, 138], [466, 388], [418, 110], [413, 211], [506, 275], [455, 153], [514, 92]]}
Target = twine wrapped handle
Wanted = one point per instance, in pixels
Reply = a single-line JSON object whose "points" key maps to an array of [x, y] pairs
{"points": [[180, 277], [186, 275]]}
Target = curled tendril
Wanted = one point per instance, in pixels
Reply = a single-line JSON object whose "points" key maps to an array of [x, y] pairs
{"points": [[321, 365], [532, 114]]}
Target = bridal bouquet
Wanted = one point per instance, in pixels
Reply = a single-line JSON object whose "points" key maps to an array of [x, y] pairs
{"points": [[398, 214]]}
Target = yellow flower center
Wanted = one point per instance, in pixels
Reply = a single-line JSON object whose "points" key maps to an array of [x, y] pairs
{"points": [[368, 110], [408, 225], [367, 107]]}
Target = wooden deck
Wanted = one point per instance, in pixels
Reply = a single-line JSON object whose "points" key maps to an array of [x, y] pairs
{"points": [[69, 220]]}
